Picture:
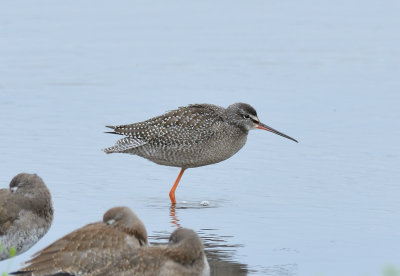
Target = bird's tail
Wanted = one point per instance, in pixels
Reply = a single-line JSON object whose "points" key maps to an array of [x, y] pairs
{"points": [[112, 132]]}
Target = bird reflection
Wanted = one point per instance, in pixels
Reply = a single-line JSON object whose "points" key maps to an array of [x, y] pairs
{"points": [[172, 215], [220, 253]]}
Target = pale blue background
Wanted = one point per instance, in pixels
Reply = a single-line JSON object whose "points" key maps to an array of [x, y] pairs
{"points": [[324, 72]]}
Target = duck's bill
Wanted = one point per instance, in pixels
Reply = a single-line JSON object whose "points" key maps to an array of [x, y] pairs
{"points": [[267, 128]]}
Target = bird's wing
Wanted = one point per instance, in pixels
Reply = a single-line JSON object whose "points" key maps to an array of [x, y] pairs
{"points": [[82, 250], [145, 261], [185, 124]]}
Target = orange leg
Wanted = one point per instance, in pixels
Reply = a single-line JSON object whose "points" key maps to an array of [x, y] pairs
{"points": [[172, 192]]}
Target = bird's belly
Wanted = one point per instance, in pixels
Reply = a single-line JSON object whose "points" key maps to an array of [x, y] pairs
{"points": [[20, 237], [194, 155]]}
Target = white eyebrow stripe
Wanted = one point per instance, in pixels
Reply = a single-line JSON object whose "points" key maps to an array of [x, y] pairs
{"points": [[255, 118]]}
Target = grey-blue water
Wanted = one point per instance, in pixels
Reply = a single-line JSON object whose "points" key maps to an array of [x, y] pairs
{"points": [[324, 72]]}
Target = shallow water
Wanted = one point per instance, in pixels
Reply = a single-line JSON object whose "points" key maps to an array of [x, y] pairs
{"points": [[323, 72]]}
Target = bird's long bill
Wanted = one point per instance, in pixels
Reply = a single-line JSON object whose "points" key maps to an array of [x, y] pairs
{"points": [[265, 127]]}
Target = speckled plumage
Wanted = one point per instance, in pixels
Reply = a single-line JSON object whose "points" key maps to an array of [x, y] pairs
{"points": [[190, 136], [26, 213], [183, 256], [90, 247]]}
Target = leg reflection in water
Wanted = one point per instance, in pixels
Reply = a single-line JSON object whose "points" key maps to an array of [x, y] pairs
{"points": [[172, 214]]}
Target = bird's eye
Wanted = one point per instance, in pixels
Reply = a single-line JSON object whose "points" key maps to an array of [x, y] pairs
{"points": [[246, 116]]}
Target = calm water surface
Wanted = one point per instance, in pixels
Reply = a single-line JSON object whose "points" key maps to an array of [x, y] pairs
{"points": [[324, 72]]}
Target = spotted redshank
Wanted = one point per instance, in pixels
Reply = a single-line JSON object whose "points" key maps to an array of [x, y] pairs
{"points": [[183, 256], [26, 214], [190, 136], [91, 247]]}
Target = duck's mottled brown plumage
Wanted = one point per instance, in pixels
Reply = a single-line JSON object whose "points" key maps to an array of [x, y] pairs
{"points": [[183, 256], [90, 247], [26, 213]]}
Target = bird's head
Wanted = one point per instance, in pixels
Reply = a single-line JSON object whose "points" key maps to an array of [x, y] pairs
{"points": [[245, 116], [28, 185], [123, 218]]}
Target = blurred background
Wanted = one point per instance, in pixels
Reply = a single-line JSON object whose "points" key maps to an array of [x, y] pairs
{"points": [[323, 72]]}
